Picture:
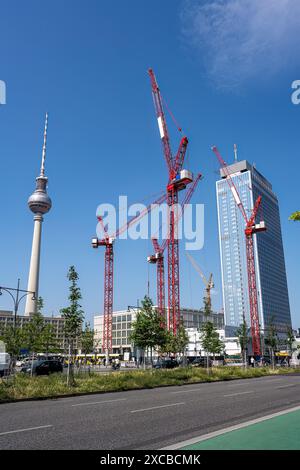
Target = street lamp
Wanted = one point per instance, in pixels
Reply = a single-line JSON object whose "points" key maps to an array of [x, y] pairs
{"points": [[134, 350], [16, 298]]}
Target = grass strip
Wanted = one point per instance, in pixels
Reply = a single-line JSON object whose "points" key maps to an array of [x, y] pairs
{"points": [[25, 387]]}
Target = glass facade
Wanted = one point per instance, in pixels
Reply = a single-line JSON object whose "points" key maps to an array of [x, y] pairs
{"points": [[271, 280]]}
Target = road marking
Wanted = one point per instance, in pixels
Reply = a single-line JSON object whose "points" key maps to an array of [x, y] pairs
{"points": [[262, 382], [99, 402], [285, 386], [187, 391], [26, 429], [156, 407], [204, 437], [238, 393]]}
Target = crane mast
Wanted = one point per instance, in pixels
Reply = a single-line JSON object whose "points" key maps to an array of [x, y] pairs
{"points": [[178, 179], [158, 256], [108, 242]]}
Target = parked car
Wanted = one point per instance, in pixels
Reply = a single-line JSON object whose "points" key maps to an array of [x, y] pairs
{"points": [[166, 364], [42, 367], [201, 362]]}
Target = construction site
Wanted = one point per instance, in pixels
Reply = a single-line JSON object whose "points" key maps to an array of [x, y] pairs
{"points": [[113, 328]]}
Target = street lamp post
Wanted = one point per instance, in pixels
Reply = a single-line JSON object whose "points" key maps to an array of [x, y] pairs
{"points": [[129, 308], [16, 298]]}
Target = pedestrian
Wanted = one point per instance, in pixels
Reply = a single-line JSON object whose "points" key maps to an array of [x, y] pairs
{"points": [[252, 361]]}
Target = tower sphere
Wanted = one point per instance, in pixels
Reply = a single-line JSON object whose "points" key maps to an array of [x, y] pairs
{"points": [[39, 202]]}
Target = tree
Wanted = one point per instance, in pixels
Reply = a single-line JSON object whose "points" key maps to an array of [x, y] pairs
{"points": [[295, 216], [243, 339], [210, 340], [87, 340], [272, 339], [33, 329], [73, 315], [49, 340], [148, 330], [13, 339], [168, 345], [180, 341], [175, 343], [290, 338]]}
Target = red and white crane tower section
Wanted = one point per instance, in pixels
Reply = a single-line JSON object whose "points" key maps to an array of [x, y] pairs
{"points": [[108, 241], [250, 229], [178, 180], [158, 256]]}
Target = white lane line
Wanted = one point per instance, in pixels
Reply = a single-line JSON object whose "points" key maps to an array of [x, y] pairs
{"points": [[204, 437], [285, 386], [247, 383], [156, 407], [238, 393], [26, 429], [187, 391], [99, 402]]}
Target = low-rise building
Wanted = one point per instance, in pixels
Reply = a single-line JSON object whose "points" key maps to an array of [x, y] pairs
{"points": [[194, 349], [7, 318], [122, 326]]}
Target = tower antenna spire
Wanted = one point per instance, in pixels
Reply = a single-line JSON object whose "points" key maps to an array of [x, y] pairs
{"points": [[235, 153], [44, 147]]}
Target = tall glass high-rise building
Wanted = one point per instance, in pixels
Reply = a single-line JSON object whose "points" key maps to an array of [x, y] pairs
{"points": [[273, 300]]}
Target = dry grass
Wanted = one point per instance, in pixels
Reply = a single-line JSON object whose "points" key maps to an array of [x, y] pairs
{"points": [[23, 386]]}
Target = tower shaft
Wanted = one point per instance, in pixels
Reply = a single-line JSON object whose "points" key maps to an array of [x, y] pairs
{"points": [[34, 270]]}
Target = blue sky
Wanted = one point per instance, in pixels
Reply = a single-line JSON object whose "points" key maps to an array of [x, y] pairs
{"points": [[226, 73]]}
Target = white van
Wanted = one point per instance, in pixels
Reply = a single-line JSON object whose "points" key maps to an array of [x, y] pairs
{"points": [[4, 364]]}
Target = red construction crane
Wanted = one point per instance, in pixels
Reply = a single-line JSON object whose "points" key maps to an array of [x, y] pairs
{"points": [[250, 229], [158, 256], [108, 241], [178, 180]]}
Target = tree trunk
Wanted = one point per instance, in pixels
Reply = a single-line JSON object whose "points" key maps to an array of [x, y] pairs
{"points": [[31, 372], [245, 359]]}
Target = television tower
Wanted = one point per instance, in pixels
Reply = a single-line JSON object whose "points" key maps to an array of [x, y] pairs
{"points": [[39, 203]]}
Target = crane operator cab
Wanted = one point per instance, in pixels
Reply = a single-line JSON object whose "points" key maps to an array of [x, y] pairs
{"points": [[181, 180]]}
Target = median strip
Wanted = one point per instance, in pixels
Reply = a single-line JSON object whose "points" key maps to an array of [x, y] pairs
{"points": [[156, 407], [26, 429]]}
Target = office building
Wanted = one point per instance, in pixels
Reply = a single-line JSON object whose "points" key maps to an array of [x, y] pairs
{"points": [[272, 290], [122, 326]]}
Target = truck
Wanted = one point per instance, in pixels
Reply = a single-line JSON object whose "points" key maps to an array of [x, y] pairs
{"points": [[4, 364]]}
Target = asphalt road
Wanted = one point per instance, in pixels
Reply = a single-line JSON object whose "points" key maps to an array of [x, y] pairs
{"points": [[144, 419]]}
